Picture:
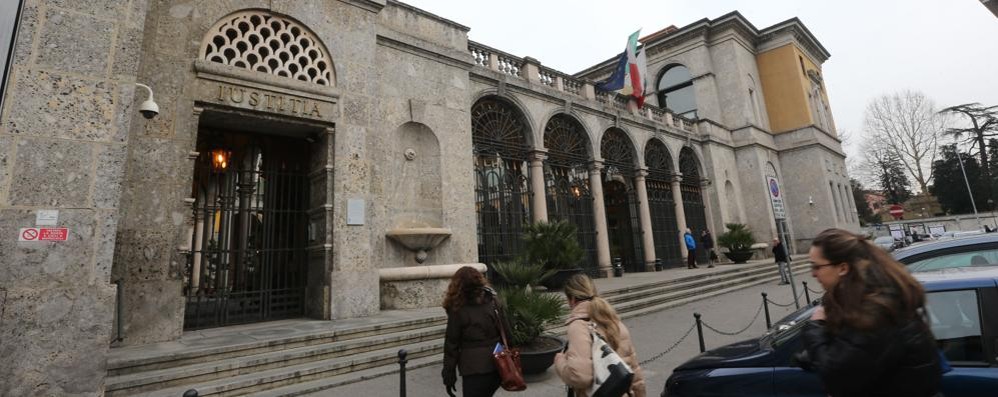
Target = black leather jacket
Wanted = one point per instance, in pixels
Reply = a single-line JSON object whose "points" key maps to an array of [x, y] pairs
{"points": [[892, 361]]}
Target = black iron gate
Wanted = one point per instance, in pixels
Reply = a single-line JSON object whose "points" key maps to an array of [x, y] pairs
{"points": [[248, 257], [696, 216], [569, 199], [664, 226], [623, 225], [502, 184]]}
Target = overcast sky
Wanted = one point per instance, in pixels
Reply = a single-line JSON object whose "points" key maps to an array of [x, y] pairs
{"points": [[947, 49]]}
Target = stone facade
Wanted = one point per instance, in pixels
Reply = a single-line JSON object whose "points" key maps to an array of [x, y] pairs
{"points": [[387, 131]]}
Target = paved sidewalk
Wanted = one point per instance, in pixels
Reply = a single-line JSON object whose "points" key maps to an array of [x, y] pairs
{"points": [[652, 334]]}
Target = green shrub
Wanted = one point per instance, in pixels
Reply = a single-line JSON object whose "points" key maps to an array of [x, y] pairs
{"points": [[554, 245], [528, 312]]}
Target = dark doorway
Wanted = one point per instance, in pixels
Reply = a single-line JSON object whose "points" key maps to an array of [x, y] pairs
{"points": [[248, 258], [621, 222]]}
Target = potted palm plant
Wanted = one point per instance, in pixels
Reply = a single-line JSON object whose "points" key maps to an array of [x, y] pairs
{"points": [[556, 248], [738, 241], [529, 313]]}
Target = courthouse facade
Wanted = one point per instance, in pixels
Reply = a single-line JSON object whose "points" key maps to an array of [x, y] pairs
{"points": [[328, 159]]}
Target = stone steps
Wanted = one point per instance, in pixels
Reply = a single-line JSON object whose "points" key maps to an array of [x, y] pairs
{"points": [[311, 362]]}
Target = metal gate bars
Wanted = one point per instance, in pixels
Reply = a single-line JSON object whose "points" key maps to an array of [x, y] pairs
{"points": [[248, 257]]}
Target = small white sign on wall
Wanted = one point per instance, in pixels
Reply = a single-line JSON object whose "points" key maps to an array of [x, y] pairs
{"points": [[47, 217], [355, 212]]}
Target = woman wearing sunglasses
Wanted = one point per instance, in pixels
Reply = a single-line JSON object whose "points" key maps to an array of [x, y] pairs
{"points": [[869, 336]]}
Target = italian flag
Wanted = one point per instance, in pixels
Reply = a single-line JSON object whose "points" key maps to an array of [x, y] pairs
{"points": [[628, 77]]}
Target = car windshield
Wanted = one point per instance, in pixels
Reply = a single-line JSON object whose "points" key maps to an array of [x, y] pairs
{"points": [[982, 257], [884, 240]]}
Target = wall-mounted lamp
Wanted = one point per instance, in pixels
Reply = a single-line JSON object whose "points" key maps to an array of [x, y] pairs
{"points": [[148, 108], [810, 200], [576, 191], [220, 159]]}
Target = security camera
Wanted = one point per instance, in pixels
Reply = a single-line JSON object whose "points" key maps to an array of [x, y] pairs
{"points": [[149, 108]]}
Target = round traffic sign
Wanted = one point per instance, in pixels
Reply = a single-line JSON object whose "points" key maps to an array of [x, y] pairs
{"points": [[896, 210]]}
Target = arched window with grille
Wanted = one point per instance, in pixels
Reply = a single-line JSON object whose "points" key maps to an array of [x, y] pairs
{"points": [[676, 92], [566, 180], [502, 186], [620, 199], [696, 215], [664, 224]]}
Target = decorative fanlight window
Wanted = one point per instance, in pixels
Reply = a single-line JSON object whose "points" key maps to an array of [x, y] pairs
{"points": [[260, 41]]}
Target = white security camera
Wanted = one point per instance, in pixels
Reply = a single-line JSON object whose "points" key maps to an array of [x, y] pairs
{"points": [[149, 108]]}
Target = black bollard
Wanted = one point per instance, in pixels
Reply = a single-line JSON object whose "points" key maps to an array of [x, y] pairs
{"points": [[807, 294], [618, 267], [191, 393], [658, 265], [700, 332], [402, 361], [765, 306]]}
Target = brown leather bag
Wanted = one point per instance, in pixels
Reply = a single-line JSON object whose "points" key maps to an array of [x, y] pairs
{"points": [[508, 360]]}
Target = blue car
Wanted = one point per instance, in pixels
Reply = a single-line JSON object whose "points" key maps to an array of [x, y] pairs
{"points": [[963, 311]]}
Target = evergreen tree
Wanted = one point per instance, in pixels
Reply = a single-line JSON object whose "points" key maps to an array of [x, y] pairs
{"points": [[866, 216], [893, 180], [949, 186]]}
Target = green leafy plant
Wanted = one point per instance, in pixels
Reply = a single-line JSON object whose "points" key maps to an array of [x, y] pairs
{"points": [[554, 245], [738, 238], [528, 312]]}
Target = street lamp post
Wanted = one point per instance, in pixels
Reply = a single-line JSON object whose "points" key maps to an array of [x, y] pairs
{"points": [[970, 193]]}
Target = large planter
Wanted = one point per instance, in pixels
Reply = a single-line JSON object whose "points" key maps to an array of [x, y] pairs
{"points": [[537, 361], [557, 280], [739, 256]]}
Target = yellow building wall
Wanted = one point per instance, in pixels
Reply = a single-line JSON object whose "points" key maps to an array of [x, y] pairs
{"points": [[785, 88]]}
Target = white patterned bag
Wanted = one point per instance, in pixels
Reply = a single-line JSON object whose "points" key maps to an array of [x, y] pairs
{"points": [[611, 375]]}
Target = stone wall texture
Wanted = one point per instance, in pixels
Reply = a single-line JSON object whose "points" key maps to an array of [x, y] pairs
{"points": [[63, 143]]}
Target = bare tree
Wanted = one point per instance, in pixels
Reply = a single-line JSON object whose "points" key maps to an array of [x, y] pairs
{"points": [[907, 126]]}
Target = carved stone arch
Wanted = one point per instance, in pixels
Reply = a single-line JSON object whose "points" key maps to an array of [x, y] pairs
{"points": [[658, 158], [618, 149], [267, 42], [499, 125], [530, 134], [565, 135], [690, 165]]}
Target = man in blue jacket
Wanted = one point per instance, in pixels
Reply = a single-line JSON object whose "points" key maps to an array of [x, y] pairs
{"points": [[691, 246]]}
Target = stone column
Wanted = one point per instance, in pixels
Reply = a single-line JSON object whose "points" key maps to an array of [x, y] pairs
{"points": [[708, 208], [599, 217], [538, 199], [644, 213], [677, 197]]}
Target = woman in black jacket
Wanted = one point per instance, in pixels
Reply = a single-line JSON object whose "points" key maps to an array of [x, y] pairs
{"points": [[869, 337], [471, 334]]}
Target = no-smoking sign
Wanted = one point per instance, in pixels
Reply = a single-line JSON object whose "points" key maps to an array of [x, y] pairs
{"points": [[43, 234]]}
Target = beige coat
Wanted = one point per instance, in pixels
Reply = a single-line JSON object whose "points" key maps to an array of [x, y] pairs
{"points": [[575, 366]]}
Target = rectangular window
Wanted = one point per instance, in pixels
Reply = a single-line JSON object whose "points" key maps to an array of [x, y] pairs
{"points": [[10, 13], [955, 319]]}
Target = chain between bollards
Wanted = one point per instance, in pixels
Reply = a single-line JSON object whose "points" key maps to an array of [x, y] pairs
{"points": [[700, 332], [402, 361], [765, 305]]}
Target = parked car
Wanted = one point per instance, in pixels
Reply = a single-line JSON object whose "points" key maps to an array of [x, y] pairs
{"points": [[968, 250], [963, 312], [885, 242]]}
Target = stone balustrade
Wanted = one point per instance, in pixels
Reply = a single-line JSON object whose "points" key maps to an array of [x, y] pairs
{"points": [[531, 70]]}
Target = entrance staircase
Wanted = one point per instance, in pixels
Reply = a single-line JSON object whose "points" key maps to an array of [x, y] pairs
{"points": [[290, 359]]}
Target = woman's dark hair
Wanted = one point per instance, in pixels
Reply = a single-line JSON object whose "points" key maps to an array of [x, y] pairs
{"points": [[467, 285], [877, 289]]}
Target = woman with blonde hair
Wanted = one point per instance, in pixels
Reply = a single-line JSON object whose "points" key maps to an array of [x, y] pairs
{"points": [[575, 365], [471, 335], [869, 336]]}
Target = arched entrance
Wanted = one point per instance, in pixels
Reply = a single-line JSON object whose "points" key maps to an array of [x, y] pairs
{"points": [[696, 216], [566, 178], [502, 187], [665, 228], [620, 201]]}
